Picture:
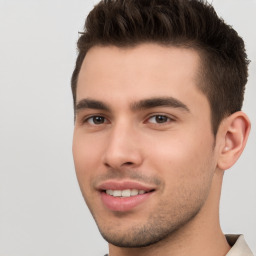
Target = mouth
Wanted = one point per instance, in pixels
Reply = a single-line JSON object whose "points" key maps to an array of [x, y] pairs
{"points": [[124, 196], [126, 192]]}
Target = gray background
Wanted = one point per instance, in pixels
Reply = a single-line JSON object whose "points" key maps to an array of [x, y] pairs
{"points": [[41, 209]]}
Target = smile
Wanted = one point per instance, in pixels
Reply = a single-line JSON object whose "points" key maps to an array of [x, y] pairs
{"points": [[124, 196], [126, 203], [125, 192]]}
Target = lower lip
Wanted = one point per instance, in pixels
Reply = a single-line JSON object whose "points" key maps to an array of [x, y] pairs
{"points": [[123, 204]]}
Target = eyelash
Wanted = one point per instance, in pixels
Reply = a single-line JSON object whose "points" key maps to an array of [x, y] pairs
{"points": [[167, 118], [86, 120]]}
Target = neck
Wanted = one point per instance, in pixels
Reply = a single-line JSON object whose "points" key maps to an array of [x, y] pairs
{"points": [[199, 237]]}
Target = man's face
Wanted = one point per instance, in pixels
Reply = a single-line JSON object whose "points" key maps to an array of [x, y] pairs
{"points": [[143, 146]]}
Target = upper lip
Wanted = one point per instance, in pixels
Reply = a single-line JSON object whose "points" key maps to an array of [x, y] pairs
{"points": [[122, 185]]}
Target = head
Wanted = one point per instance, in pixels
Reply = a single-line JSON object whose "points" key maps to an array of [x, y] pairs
{"points": [[157, 90]]}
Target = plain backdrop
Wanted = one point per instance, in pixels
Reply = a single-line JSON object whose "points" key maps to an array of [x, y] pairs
{"points": [[42, 212]]}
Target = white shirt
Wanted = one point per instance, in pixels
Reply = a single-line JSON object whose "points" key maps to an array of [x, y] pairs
{"points": [[239, 246]]}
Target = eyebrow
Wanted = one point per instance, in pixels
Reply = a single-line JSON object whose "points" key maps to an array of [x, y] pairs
{"points": [[135, 106], [159, 102], [91, 104]]}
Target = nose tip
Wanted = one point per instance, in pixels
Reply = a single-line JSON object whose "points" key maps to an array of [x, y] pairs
{"points": [[118, 157], [122, 150]]}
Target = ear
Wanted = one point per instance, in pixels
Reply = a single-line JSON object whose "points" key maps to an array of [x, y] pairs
{"points": [[234, 133]]}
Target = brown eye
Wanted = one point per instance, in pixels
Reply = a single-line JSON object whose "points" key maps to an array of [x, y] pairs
{"points": [[159, 119], [96, 120]]}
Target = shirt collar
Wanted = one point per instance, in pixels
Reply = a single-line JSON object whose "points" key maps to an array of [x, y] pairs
{"points": [[239, 246]]}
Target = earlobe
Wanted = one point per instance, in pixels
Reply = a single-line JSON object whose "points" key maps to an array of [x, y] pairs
{"points": [[235, 133]]}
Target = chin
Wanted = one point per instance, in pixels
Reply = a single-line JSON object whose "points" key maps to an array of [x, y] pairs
{"points": [[155, 230]]}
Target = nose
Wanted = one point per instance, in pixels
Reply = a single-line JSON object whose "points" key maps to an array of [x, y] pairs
{"points": [[123, 148]]}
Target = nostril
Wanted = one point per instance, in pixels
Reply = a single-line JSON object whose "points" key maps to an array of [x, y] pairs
{"points": [[107, 165], [128, 163], [124, 164]]}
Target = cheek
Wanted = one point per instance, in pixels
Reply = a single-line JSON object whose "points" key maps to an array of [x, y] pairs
{"points": [[186, 167], [180, 158], [86, 154]]}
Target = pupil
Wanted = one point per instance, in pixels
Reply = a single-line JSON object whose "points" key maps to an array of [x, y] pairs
{"points": [[98, 119], [161, 119]]}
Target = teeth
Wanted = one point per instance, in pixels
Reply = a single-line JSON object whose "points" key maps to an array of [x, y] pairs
{"points": [[125, 193], [117, 193], [134, 192], [109, 192]]}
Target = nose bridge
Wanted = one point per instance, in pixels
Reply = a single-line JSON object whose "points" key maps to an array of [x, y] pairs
{"points": [[122, 147]]}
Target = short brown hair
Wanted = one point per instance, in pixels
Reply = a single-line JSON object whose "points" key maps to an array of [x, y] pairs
{"points": [[181, 23]]}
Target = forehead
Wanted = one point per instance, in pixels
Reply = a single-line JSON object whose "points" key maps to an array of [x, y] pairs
{"points": [[145, 70]]}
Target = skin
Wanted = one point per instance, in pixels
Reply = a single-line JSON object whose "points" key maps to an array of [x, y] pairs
{"points": [[168, 147]]}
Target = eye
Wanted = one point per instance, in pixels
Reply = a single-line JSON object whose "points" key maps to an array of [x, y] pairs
{"points": [[159, 119], [96, 120]]}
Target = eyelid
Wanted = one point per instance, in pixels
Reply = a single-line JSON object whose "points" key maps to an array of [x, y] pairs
{"points": [[84, 120], [170, 118], [92, 120]]}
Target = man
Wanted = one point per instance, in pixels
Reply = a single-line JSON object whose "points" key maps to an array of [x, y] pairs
{"points": [[158, 89]]}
